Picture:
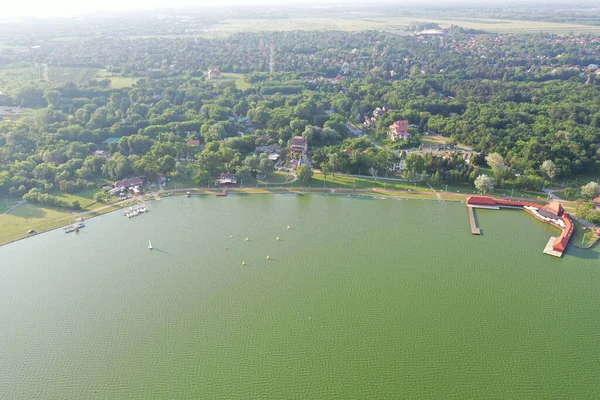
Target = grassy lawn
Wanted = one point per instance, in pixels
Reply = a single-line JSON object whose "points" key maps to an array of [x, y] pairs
{"points": [[30, 216], [7, 202], [274, 178], [582, 237], [240, 83], [345, 181], [177, 182], [433, 140], [85, 197], [116, 81], [582, 179], [468, 189], [120, 82]]}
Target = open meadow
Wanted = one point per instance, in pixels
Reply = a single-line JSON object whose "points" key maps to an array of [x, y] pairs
{"points": [[15, 224], [358, 21]]}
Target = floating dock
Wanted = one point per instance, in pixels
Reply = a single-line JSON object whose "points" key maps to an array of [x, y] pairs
{"points": [[474, 228]]}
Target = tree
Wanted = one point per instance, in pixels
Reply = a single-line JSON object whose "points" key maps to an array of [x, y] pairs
{"points": [[244, 173], [495, 161], [324, 170], [589, 191], [202, 177], [265, 166], [76, 205], [549, 169], [570, 194], [415, 163], [484, 184], [304, 173], [373, 172], [435, 179], [333, 162], [100, 196], [166, 164], [52, 97]]}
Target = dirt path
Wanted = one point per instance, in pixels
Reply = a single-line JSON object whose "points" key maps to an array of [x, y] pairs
{"points": [[13, 208], [439, 196]]}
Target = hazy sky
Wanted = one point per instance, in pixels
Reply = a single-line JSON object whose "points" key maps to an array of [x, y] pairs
{"points": [[42, 8], [50, 8]]}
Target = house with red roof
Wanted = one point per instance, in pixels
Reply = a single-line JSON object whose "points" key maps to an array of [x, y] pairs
{"points": [[399, 131], [130, 182], [553, 210], [597, 202]]}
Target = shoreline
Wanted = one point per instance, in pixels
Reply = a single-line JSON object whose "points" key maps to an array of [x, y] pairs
{"points": [[375, 193]]}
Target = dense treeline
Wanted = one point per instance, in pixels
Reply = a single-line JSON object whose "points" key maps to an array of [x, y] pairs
{"points": [[511, 95]]}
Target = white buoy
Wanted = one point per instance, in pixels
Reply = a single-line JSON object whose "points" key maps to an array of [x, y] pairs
{"points": [[268, 257], [289, 228], [247, 240], [230, 236], [277, 237], [243, 262]]}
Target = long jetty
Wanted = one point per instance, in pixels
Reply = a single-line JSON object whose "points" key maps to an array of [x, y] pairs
{"points": [[474, 228]]}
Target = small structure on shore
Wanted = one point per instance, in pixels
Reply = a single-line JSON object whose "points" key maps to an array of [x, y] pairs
{"points": [[226, 180]]}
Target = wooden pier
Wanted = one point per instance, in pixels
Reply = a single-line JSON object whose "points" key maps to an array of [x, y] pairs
{"points": [[474, 228]]}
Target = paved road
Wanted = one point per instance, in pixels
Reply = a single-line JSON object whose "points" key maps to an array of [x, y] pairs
{"points": [[550, 193]]}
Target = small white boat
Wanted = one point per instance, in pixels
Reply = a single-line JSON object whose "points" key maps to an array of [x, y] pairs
{"points": [[149, 244]]}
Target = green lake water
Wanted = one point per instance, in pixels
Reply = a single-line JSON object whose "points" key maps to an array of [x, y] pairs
{"points": [[362, 299]]}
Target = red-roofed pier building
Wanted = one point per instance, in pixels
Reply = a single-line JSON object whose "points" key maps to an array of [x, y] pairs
{"points": [[552, 213]]}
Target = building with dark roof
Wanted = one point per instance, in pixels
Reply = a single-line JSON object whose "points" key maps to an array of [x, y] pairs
{"points": [[299, 144]]}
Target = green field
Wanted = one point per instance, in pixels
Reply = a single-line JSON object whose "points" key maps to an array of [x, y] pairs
{"points": [[116, 81], [433, 140], [6, 202], [240, 83], [85, 197], [29, 216], [469, 189], [15, 224], [345, 181]]}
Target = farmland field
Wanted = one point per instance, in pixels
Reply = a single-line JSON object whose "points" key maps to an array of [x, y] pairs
{"points": [[12, 78], [70, 74], [368, 21]]}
